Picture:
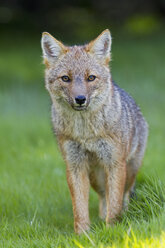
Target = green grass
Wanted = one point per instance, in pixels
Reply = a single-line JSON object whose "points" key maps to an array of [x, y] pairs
{"points": [[35, 205]]}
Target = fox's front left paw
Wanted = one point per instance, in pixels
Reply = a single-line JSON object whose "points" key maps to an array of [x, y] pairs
{"points": [[80, 228]]}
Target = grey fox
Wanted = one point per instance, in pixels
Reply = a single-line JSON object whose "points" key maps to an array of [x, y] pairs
{"points": [[100, 129]]}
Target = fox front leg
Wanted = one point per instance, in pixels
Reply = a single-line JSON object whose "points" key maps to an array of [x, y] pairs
{"points": [[115, 185], [78, 182]]}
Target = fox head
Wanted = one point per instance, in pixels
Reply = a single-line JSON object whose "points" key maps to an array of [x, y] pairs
{"points": [[78, 76]]}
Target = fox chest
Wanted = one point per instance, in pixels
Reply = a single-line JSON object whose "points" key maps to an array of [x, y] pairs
{"points": [[79, 127], [85, 138], [86, 141], [93, 151]]}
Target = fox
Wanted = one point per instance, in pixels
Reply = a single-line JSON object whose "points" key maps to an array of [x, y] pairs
{"points": [[100, 130]]}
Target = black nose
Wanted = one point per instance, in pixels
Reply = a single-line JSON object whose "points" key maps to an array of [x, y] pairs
{"points": [[80, 99]]}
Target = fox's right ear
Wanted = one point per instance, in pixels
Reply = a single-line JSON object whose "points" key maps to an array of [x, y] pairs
{"points": [[101, 46], [52, 49]]}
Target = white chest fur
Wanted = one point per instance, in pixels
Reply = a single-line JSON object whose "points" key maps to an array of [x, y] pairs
{"points": [[80, 126]]}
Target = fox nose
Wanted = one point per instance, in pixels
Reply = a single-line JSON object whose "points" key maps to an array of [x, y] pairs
{"points": [[80, 99]]}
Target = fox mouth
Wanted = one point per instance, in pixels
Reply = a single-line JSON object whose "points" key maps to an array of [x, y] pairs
{"points": [[79, 108]]}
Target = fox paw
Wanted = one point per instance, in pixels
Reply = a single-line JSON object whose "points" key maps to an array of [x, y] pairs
{"points": [[81, 228]]}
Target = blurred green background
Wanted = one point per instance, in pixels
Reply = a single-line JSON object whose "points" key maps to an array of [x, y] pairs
{"points": [[32, 172]]}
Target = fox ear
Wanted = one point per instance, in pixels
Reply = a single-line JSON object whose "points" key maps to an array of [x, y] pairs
{"points": [[52, 49], [101, 46]]}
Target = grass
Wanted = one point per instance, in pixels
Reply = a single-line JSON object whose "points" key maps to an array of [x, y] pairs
{"points": [[35, 205]]}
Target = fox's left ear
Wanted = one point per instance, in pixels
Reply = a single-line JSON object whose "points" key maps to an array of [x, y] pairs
{"points": [[101, 46], [52, 49]]}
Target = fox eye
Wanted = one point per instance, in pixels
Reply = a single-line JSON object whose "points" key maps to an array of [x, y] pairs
{"points": [[65, 78], [91, 78]]}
